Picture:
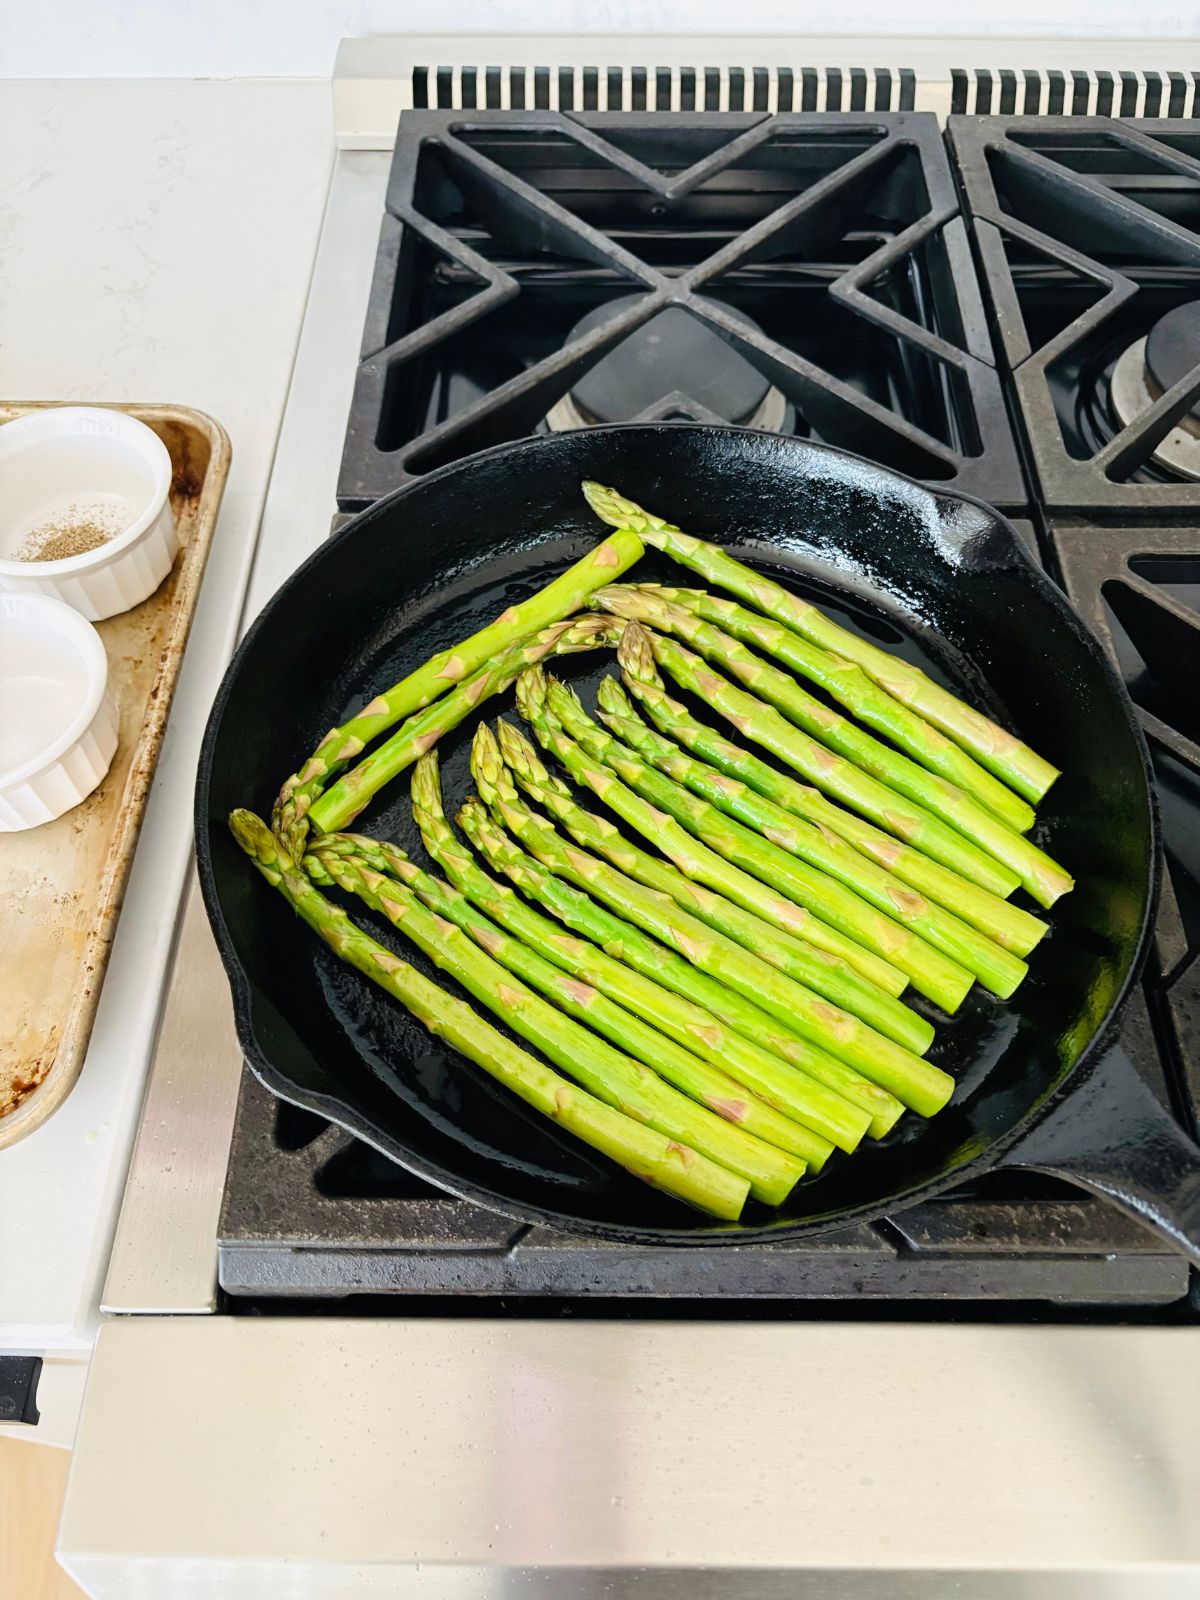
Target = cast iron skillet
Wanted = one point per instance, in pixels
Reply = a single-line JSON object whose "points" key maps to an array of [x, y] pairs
{"points": [[1042, 1082]]}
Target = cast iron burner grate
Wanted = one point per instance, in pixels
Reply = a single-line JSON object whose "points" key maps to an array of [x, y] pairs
{"points": [[839, 235], [312, 1213], [498, 222], [1087, 232]]}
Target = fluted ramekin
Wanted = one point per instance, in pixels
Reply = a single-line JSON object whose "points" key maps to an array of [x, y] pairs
{"points": [[81, 742], [57, 457]]}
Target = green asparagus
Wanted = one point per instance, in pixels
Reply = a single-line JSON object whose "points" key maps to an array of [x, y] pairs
{"points": [[997, 969], [851, 687], [587, 1003], [937, 976], [684, 882], [627, 944], [832, 1118], [829, 772], [918, 1084], [999, 751], [466, 944], [340, 804], [771, 912], [1044, 878], [442, 672], [1011, 926], [668, 1165]]}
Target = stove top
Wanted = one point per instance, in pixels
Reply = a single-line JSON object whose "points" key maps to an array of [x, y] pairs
{"points": [[815, 274]]}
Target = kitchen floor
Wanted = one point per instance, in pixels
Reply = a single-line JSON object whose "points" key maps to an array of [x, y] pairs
{"points": [[33, 1479]]}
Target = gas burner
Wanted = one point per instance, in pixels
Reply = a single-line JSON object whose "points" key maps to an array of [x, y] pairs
{"points": [[672, 366], [1151, 366]]}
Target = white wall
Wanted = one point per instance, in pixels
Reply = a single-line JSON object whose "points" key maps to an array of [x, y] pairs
{"points": [[234, 38]]}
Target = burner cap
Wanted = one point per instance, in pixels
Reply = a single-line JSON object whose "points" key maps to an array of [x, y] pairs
{"points": [[1173, 348], [673, 351]]}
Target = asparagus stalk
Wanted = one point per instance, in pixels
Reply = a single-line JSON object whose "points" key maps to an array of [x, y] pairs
{"points": [[587, 1004], [559, 598], [802, 1100], [915, 1082], [663, 1162], [829, 772], [1044, 878], [997, 969], [628, 945], [847, 683], [942, 979], [481, 956], [340, 804], [1011, 926], [827, 975], [999, 751]]}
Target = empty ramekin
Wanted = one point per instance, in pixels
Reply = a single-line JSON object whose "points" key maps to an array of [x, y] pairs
{"points": [[58, 724], [55, 465]]}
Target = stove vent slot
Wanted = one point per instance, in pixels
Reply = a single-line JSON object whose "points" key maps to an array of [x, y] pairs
{"points": [[575, 88], [1004, 91]]}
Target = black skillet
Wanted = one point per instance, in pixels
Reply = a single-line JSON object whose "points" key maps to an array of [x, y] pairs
{"points": [[1042, 1082]]}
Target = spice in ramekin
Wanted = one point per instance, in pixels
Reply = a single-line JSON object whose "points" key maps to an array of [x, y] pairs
{"points": [[74, 531]]}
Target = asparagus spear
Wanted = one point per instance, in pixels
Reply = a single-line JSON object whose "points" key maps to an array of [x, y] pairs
{"points": [[1019, 766], [828, 976], [828, 771], [937, 976], [1044, 878], [628, 945], [801, 1099], [850, 686], [583, 1001], [998, 970], [1016, 929], [340, 804], [915, 1082], [442, 672], [481, 956], [663, 1162]]}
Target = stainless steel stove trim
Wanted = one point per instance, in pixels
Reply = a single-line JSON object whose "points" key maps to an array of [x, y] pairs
{"points": [[164, 1256], [624, 1458], [164, 1251]]}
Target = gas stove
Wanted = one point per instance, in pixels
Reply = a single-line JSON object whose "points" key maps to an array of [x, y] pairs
{"points": [[863, 280]]}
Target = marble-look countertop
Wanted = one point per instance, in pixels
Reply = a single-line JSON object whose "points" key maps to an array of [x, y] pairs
{"points": [[156, 240]]}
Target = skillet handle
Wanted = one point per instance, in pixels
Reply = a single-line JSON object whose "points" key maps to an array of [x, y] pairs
{"points": [[1110, 1135]]}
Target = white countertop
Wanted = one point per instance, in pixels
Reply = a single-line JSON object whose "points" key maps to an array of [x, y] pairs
{"points": [[155, 244]]}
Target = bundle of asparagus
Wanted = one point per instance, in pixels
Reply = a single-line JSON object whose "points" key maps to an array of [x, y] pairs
{"points": [[723, 990]]}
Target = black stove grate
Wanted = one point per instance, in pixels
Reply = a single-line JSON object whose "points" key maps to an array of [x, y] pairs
{"points": [[312, 1213], [501, 230], [841, 231], [1139, 590], [1087, 232]]}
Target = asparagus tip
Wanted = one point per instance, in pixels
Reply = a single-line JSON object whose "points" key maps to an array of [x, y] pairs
{"points": [[530, 692], [599, 497], [255, 838]]}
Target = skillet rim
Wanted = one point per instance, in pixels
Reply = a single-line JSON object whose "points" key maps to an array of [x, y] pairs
{"points": [[336, 1110]]}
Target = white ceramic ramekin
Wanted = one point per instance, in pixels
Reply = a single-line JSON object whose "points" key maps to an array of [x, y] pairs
{"points": [[56, 462], [58, 723]]}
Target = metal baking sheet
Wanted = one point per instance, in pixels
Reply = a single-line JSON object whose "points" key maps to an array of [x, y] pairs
{"points": [[61, 885]]}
